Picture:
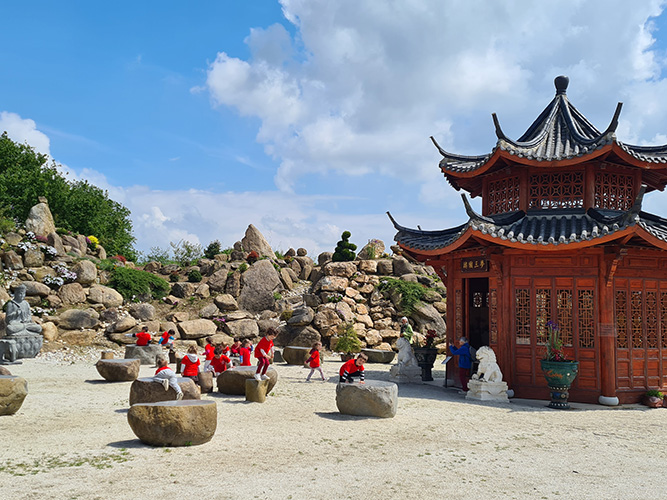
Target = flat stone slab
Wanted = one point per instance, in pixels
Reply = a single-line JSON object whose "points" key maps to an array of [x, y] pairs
{"points": [[255, 390], [373, 399], [174, 423], [233, 381], [294, 355], [145, 353], [13, 391], [379, 355], [144, 390], [118, 370]]}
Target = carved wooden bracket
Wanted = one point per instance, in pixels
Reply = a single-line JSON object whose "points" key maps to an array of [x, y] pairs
{"points": [[613, 264]]}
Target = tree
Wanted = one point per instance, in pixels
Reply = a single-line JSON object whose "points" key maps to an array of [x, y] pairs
{"points": [[344, 251], [76, 206]]}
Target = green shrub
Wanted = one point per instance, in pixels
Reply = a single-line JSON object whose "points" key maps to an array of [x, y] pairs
{"points": [[174, 277], [134, 284], [106, 264], [186, 253], [411, 293], [286, 315], [654, 393], [344, 251], [194, 276], [348, 340], [212, 249], [277, 296], [243, 267]]}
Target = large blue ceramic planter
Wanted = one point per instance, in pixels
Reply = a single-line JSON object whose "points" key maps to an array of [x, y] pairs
{"points": [[559, 375]]}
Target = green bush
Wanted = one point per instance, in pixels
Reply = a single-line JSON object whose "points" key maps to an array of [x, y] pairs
{"points": [[243, 267], [344, 251], [174, 277], [212, 249], [186, 253], [134, 284], [348, 340], [194, 276], [411, 293]]}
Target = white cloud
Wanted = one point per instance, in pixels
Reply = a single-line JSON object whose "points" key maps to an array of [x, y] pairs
{"points": [[361, 85], [24, 131]]}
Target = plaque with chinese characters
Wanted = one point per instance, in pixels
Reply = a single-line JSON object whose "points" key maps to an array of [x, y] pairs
{"points": [[474, 265]]}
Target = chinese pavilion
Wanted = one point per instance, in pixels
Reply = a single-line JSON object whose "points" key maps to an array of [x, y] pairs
{"points": [[561, 238]]}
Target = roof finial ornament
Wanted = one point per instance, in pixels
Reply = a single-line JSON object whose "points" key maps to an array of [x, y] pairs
{"points": [[561, 82]]}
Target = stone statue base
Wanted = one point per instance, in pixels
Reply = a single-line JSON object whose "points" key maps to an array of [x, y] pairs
{"points": [[487, 391], [401, 374], [25, 345]]}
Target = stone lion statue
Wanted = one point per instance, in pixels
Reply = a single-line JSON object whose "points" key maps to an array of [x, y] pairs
{"points": [[406, 356], [488, 370]]}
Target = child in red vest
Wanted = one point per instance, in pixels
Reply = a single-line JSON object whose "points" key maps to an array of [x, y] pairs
{"points": [[220, 362], [314, 361], [209, 350], [190, 364], [244, 353], [143, 337], [167, 377], [264, 354], [235, 349], [353, 368]]}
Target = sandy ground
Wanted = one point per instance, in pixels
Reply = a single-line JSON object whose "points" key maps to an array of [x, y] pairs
{"points": [[71, 440]]}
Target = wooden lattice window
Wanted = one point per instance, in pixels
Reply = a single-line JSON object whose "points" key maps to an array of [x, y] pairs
{"points": [[503, 195], [458, 314], [663, 319], [651, 320], [477, 299], [586, 318], [493, 310], [614, 191], [564, 313], [622, 318], [636, 316], [522, 316], [542, 313], [557, 190]]}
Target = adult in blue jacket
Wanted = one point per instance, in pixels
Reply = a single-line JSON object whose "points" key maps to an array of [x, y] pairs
{"points": [[465, 361]]}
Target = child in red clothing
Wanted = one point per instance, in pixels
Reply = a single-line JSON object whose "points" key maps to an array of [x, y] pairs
{"points": [[209, 349], [235, 349], [190, 364], [353, 368], [143, 337], [244, 353], [220, 362], [314, 361], [264, 354]]}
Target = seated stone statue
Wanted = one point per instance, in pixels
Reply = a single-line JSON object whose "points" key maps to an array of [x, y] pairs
{"points": [[19, 318], [406, 370], [488, 370]]}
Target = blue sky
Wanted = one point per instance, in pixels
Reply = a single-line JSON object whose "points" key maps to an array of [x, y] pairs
{"points": [[308, 118]]}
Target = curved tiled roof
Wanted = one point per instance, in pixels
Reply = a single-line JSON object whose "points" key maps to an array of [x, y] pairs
{"points": [[560, 132], [553, 227]]}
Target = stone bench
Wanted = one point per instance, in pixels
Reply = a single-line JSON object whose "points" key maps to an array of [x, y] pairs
{"points": [[205, 381], [118, 370], [372, 399], [233, 381], [145, 353], [174, 423], [379, 355], [144, 390], [13, 391], [294, 355]]}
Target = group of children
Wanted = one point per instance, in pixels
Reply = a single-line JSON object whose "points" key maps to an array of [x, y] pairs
{"points": [[218, 359]]}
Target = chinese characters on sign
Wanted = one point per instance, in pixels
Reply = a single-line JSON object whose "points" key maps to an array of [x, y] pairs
{"points": [[475, 264]]}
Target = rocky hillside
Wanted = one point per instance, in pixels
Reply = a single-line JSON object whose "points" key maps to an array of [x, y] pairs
{"points": [[236, 294]]}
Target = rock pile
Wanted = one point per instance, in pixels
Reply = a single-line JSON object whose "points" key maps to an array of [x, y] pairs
{"points": [[239, 293]]}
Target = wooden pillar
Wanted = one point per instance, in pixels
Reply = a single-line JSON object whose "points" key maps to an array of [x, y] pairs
{"points": [[589, 186], [607, 337], [505, 323]]}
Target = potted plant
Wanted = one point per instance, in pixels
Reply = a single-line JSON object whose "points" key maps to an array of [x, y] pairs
{"points": [[348, 341], [653, 398], [426, 354], [558, 370]]}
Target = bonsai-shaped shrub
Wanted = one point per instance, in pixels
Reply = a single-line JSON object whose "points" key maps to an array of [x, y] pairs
{"points": [[194, 276], [344, 251], [174, 277], [348, 340], [212, 249], [134, 284]]}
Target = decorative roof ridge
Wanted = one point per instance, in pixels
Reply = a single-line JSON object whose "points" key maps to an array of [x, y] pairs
{"points": [[474, 216], [452, 230], [458, 157]]}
